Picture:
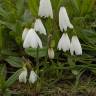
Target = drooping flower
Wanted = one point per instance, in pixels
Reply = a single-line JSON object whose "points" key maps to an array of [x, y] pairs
{"points": [[45, 9], [33, 77], [23, 76], [64, 21], [25, 31], [75, 46], [51, 53], [64, 43], [32, 40], [39, 27]]}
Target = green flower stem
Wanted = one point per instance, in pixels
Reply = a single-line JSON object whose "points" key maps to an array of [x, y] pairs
{"points": [[28, 89], [37, 58]]}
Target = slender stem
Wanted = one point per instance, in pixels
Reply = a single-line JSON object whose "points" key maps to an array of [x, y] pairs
{"points": [[78, 79], [37, 58], [28, 89]]}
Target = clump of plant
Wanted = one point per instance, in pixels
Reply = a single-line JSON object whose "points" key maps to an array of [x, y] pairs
{"points": [[51, 44]]}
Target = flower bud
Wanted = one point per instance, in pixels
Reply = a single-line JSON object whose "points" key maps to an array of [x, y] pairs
{"points": [[51, 53]]}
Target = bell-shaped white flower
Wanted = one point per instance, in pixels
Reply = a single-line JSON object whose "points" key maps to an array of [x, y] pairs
{"points": [[39, 27], [32, 40], [33, 77], [45, 9], [75, 46], [64, 43], [25, 31], [64, 21], [51, 53], [23, 76]]}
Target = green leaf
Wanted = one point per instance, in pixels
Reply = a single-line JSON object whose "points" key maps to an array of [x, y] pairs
{"points": [[12, 79], [61, 2], [86, 6], [3, 13], [14, 61], [71, 62], [8, 25], [6, 52], [33, 52], [55, 4], [49, 25], [2, 75], [1, 38], [33, 6], [7, 93], [75, 5], [20, 7]]}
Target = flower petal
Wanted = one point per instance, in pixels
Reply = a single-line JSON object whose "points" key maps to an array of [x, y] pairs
{"points": [[38, 26], [64, 21], [33, 77], [45, 9]]}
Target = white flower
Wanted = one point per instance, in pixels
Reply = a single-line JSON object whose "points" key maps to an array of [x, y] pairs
{"points": [[32, 40], [23, 76], [33, 77], [64, 21], [25, 31], [64, 43], [75, 46], [51, 53], [38, 26], [45, 9]]}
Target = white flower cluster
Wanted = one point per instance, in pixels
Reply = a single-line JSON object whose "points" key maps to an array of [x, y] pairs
{"points": [[74, 45], [23, 76], [64, 43], [31, 38]]}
